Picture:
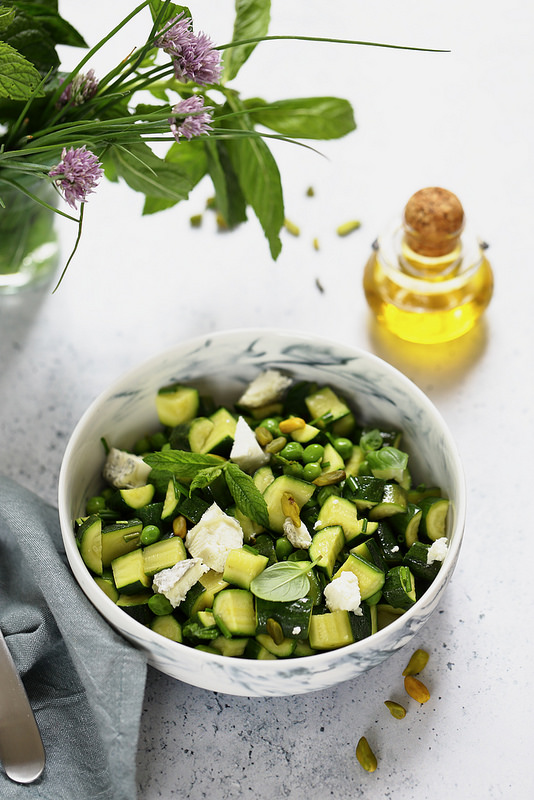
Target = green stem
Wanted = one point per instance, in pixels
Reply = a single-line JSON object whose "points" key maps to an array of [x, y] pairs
{"points": [[256, 39], [77, 242]]}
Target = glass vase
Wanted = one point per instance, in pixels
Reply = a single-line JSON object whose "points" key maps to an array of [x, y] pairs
{"points": [[29, 247]]}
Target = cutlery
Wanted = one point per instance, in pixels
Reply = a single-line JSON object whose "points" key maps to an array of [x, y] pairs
{"points": [[21, 748]]}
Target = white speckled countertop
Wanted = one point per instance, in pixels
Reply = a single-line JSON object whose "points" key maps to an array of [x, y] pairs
{"points": [[462, 120]]}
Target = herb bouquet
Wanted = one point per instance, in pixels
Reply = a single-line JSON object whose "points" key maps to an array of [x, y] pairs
{"points": [[70, 129]]}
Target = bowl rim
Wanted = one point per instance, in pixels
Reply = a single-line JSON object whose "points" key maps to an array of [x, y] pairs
{"points": [[126, 625]]}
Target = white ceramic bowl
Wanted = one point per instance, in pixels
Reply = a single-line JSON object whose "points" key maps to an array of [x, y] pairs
{"points": [[224, 363]]}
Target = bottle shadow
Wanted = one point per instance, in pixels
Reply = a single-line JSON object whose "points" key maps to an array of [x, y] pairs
{"points": [[431, 366]]}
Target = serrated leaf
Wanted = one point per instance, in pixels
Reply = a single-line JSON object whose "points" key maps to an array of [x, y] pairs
{"points": [[144, 172], [180, 463], [30, 39], [305, 118], [18, 78], [251, 20], [204, 477], [246, 494], [46, 14], [7, 15]]}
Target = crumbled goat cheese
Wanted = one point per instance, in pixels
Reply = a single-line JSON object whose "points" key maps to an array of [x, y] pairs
{"points": [[246, 452], [212, 538], [437, 550], [125, 470], [343, 593], [176, 581], [296, 630], [299, 537], [268, 387]]}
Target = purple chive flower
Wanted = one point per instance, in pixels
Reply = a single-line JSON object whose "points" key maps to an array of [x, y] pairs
{"points": [[79, 90], [77, 174], [193, 56], [196, 120]]}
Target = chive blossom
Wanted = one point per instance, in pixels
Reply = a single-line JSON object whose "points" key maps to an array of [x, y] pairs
{"points": [[77, 174], [197, 118], [193, 56]]}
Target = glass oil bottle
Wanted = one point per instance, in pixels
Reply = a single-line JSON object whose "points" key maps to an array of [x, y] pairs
{"points": [[428, 279]]}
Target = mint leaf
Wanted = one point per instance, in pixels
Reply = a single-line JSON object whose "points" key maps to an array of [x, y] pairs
{"points": [[29, 38], [246, 494], [305, 118], [183, 465], [204, 477], [251, 20], [7, 15], [283, 582], [18, 78]]}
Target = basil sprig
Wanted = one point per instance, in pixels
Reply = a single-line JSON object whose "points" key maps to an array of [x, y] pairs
{"points": [[283, 582], [202, 469]]}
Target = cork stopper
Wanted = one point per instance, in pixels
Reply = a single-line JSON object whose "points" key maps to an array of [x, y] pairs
{"points": [[433, 222]]}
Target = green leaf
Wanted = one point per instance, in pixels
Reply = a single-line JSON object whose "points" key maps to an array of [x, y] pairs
{"points": [[31, 40], [180, 463], [260, 183], [229, 198], [46, 15], [18, 78], [190, 158], [7, 15], [283, 582], [388, 463], [204, 477], [172, 10], [144, 172], [246, 494], [305, 118], [251, 20]]}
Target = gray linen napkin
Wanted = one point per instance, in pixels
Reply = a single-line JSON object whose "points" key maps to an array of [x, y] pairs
{"points": [[85, 682]]}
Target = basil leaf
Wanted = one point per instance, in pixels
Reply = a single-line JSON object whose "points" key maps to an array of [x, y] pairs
{"points": [[204, 477], [181, 464], [18, 78], [252, 19], [305, 118], [229, 199], [144, 172], [388, 463], [282, 582], [246, 494], [190, 158], [260, 182]]}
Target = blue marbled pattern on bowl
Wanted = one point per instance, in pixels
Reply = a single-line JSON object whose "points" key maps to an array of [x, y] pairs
{"points": [[223, 364]]}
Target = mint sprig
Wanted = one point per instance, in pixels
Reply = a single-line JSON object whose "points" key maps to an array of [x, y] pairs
{"points": [[202, 469]]}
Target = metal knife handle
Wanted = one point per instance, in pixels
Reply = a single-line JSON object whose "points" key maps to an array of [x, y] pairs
{"points": [[21, 748]]}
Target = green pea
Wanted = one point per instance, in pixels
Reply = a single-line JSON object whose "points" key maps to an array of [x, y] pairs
{"points": [[271, 423], [157, 440], [311, 471], [150, 534], [283, 548], [159, 605], [294, 469], [95, 504], [312, 453], [344, 447], [292, 451], [141, 446]]}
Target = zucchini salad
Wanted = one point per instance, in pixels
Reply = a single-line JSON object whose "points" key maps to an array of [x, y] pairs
{"points": [[276, 528]]}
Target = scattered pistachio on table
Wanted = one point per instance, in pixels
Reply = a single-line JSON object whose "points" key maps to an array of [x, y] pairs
{"points": [[365, 755], [395, 709], [347, 227], [293, 229], [416, 689], [417, 663]]}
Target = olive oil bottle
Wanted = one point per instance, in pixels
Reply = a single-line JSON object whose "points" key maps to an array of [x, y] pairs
{"points": [[428, 279]]}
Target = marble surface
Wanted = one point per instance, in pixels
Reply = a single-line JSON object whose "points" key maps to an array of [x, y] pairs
{"points": [[138, 285]]}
